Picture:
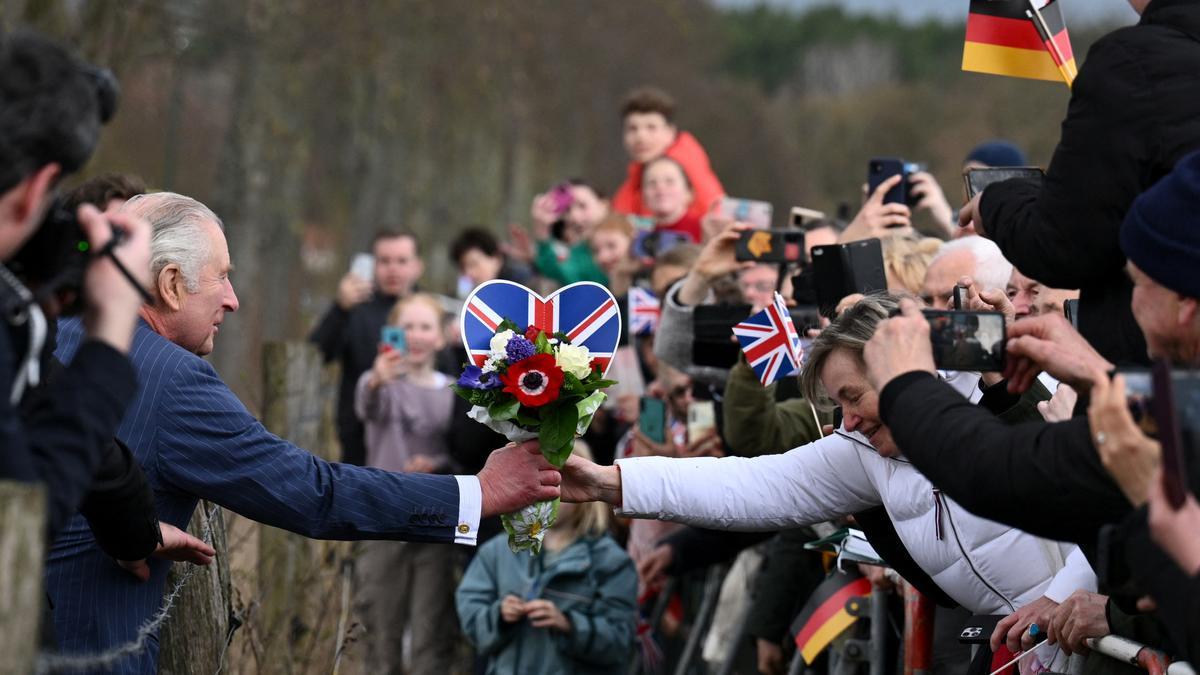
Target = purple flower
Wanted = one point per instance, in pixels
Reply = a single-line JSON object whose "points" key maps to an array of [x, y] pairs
{"points": [[519, 349], [473, 377]]}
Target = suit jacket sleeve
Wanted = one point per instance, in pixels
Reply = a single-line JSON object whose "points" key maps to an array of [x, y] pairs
{"points": [[208, 445], [1043, 478]]}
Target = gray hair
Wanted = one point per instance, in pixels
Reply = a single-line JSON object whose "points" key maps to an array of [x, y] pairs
{"points": [[177, 235], [992, 269], [850, 331]]}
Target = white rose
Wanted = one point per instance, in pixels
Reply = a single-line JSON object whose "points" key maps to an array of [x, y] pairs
{"points": [[499, 344], [574, 360]]}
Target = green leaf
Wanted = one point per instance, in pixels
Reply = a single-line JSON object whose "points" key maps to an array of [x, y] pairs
{"points": [[507, 324], [543, 344], [558, 457], [572, 385], [597, 385], [525, 419], [504, 410], [558, 429]]}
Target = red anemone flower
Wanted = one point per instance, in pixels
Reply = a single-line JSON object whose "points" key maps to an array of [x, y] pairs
{"points": [[535, 381]]}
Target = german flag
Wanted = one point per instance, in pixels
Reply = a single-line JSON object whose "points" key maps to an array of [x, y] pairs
{"points": [[1010, 37], [824, 616]]}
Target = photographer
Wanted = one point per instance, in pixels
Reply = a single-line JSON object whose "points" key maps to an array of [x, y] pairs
{"points": [[51, 109]]}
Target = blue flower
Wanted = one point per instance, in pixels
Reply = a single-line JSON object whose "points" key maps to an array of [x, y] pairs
{"points": [[519, 349], [473, 377]]}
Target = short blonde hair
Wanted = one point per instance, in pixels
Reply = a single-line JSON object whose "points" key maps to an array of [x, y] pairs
{"points": [[426, 299], [589, 519], [615, 222], [850, 331], [906, 259]]}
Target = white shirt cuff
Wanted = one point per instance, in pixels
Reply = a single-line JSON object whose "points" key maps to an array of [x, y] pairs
{"points": [[470, 508]]}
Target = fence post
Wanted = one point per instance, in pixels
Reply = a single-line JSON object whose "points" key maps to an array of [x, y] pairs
{"points": [[297, 576], [22, 553], [918, 632], [195, 633]]}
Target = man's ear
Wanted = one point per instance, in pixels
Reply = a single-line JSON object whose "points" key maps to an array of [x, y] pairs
{"points": [[170, 287], [27, 200], [1189, 311]]}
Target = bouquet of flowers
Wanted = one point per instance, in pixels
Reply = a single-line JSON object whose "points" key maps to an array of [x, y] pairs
{"points": [[534, 384]]}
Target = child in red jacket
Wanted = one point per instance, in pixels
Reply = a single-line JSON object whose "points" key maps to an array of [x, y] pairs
{"points": [[649, 133]]}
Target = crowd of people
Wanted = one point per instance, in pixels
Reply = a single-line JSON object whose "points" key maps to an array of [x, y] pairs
{"points": [[1031, 493]]}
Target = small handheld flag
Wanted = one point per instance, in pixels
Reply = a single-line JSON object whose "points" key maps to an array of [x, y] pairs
{"points": [[770, 342], [644, 311], [824, 616], [1014, 38]]}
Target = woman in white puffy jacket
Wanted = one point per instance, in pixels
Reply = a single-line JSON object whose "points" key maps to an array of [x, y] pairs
{"points": [[987, 567]]}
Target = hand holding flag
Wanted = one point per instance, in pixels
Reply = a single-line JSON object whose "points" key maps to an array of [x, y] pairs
{"points": [[770, 342]]}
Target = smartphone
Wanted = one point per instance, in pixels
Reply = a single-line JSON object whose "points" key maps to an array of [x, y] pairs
{"points": [[702, 419], [652, 419], [845, 269], [802, 216], [975, 180], [958, 298], [363, 266], [649, 244], [1071, 311], [1139, 397], [561, 194], [752, 212], [770, 246], [393, 337], [879, 169], [1176, 396], [967, 341]]}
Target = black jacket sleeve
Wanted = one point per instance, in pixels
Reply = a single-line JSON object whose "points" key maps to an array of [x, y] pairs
{"points": [[1043, 478], [120, 507], [695, 548], [1065, 234], [74, 422], [330, 334], [1176, 594]]}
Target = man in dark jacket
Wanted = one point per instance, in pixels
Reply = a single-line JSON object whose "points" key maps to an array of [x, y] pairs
{"points": [[350, 330], [1134, 112]]}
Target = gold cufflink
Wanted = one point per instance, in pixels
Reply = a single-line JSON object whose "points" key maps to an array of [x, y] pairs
{"points": [[463, 528]]}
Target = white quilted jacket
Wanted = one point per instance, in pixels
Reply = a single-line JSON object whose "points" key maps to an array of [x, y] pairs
{"points": [[987, 567]]}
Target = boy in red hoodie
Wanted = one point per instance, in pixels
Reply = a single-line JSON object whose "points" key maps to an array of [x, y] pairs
{"points": [[649, 133]]}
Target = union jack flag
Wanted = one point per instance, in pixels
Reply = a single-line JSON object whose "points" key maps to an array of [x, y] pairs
{"points": [[770, 342], [585, 312], [644, 311]]}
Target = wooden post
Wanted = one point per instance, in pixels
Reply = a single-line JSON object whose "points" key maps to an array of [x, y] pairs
{"points": [[298, 577], [194, 635], [22, 553]]}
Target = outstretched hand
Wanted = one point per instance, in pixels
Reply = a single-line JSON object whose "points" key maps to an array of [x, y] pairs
{"points": [[586, 481], [516, 476], [178, 546]]}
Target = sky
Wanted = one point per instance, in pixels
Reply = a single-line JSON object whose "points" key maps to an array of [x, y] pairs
{"points": [[1077, 12]]}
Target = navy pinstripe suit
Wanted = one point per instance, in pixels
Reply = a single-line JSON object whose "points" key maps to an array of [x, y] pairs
{"points": [[196, 440]]}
